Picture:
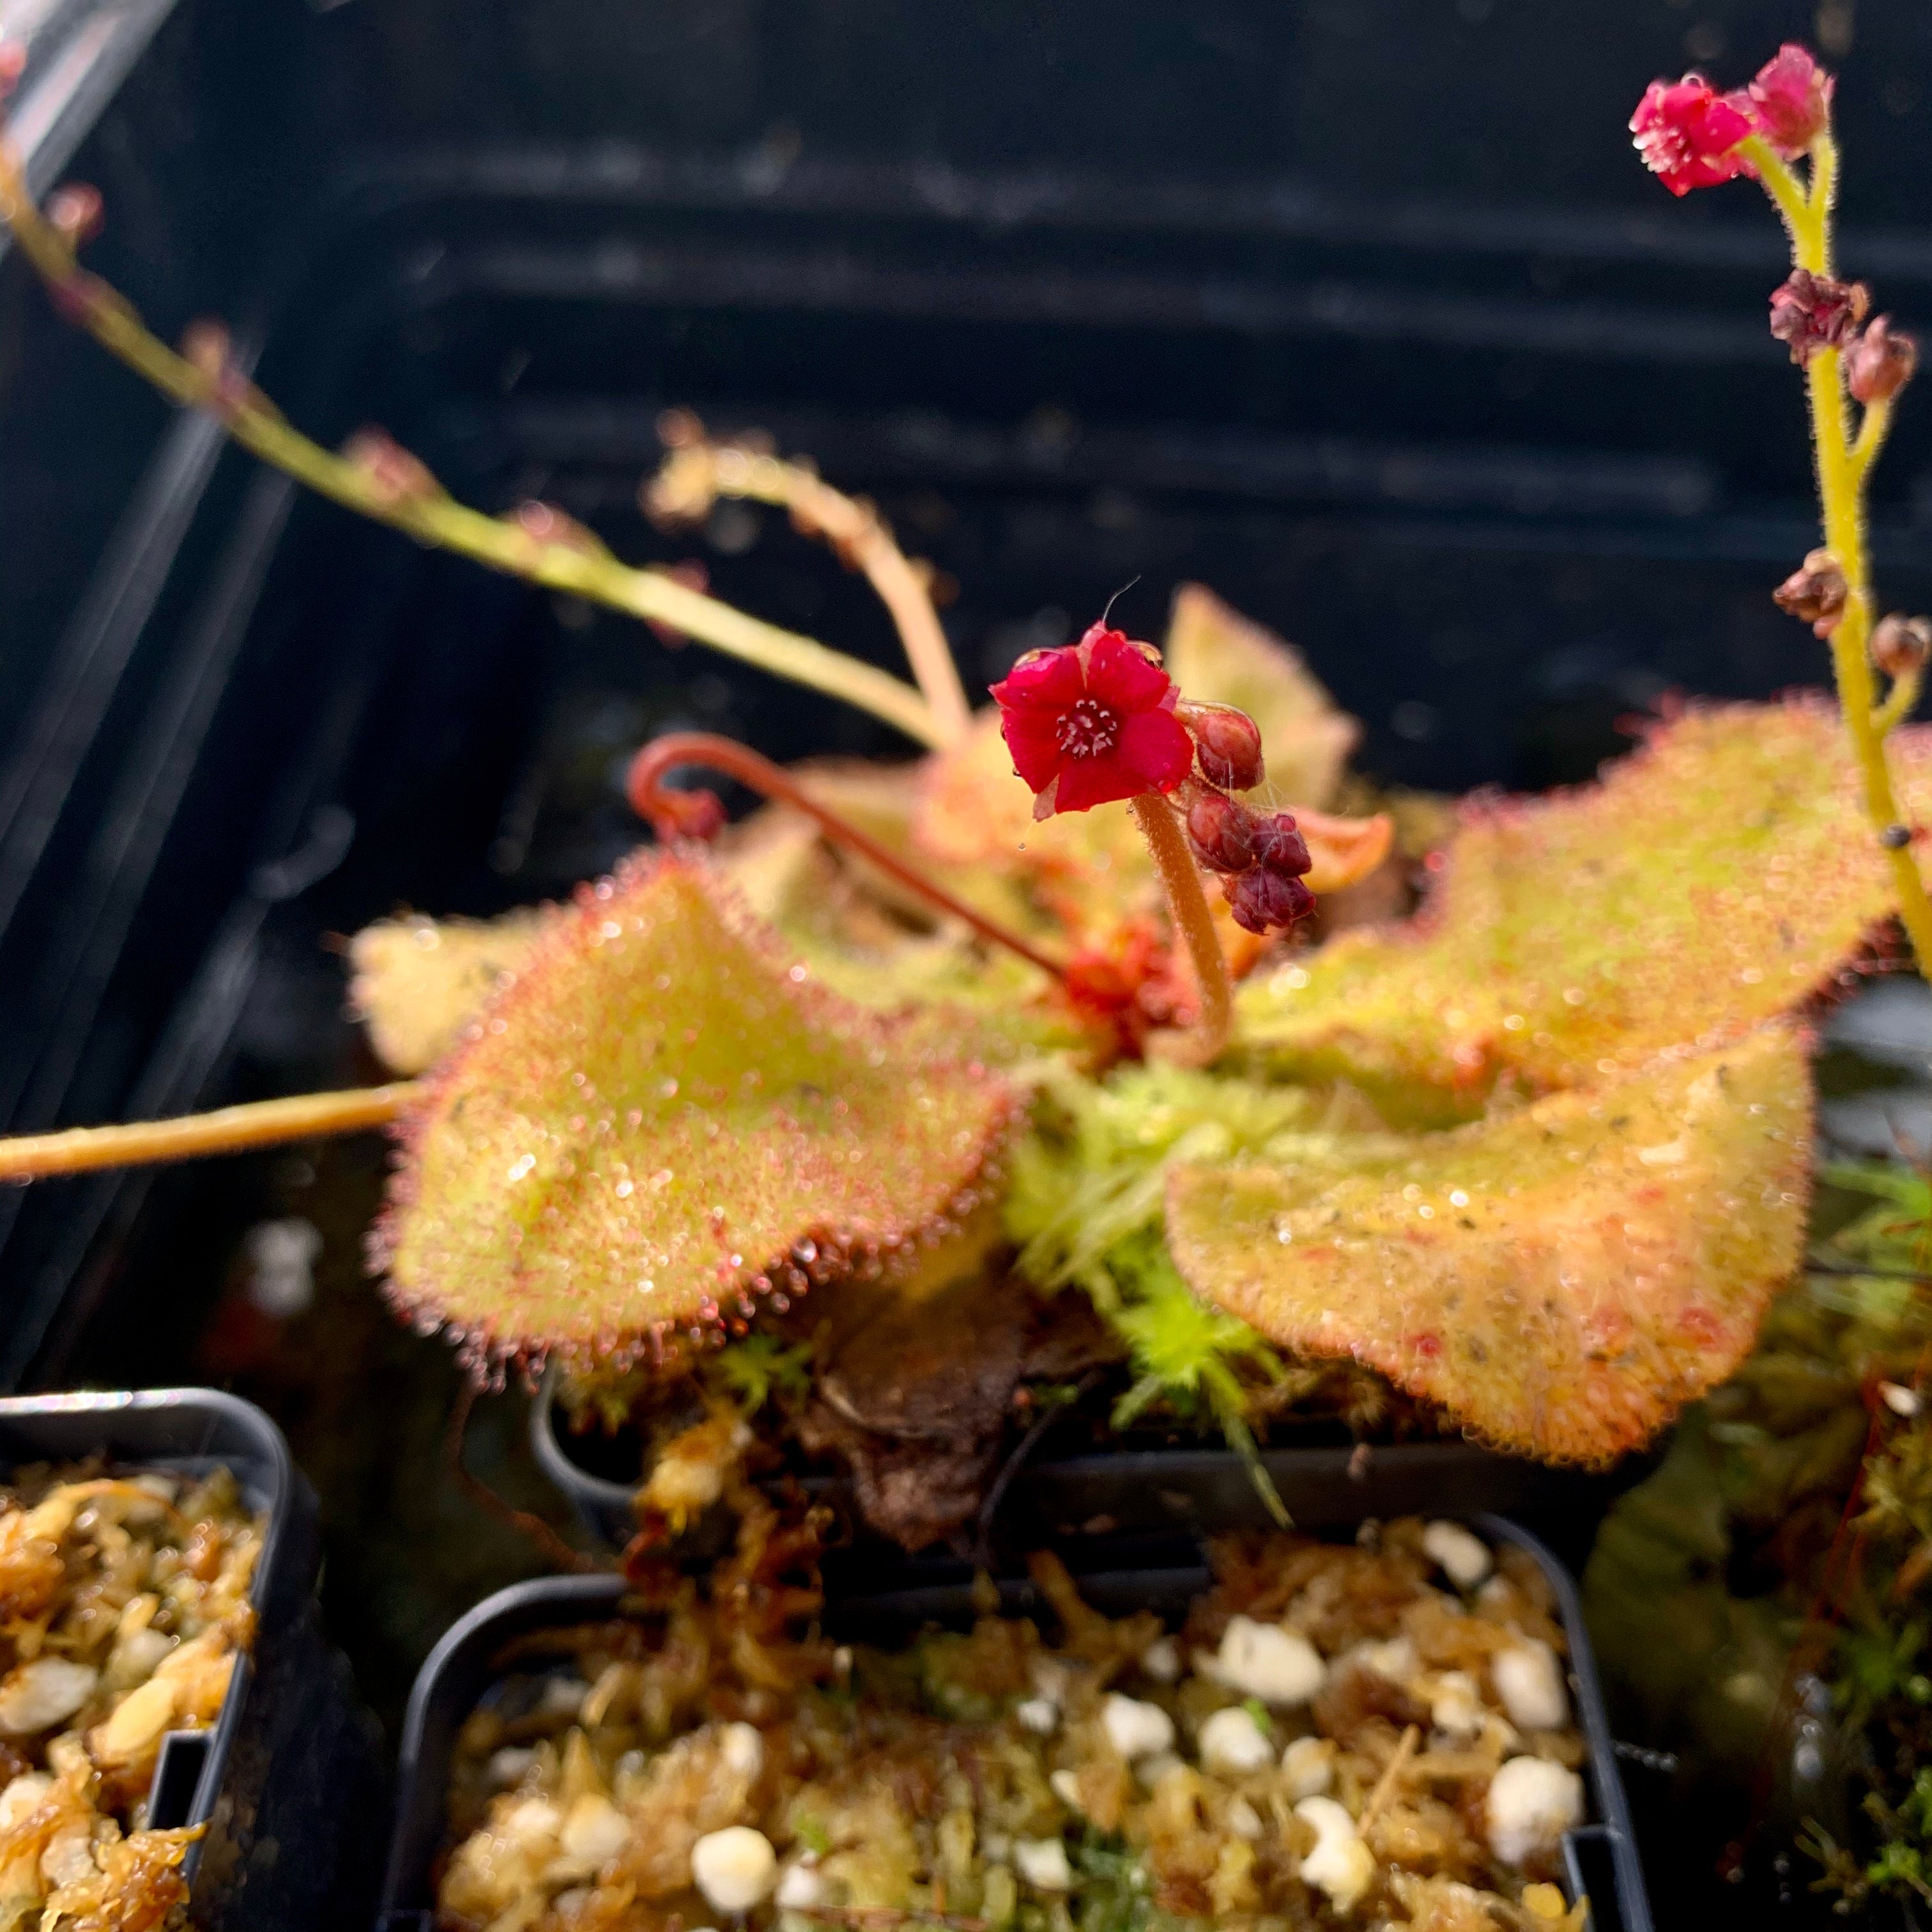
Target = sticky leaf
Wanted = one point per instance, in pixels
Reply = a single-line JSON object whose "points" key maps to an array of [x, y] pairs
{"points": [[1561, 1279], [1217, 656], [657, 1123], [1718, 877], [418, 982]]}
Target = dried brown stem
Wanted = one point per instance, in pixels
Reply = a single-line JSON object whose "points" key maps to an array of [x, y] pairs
{"points": [[700, 470], [555, 1550], [669, 813]]}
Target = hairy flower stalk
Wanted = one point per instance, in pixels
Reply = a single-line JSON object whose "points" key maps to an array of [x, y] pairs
{"points": [[687, 814], [1099, 722], [1692, 137], [388, 486]]}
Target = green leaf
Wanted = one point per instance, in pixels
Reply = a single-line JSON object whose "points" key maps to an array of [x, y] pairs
{"points": [[1718, 878], [661, 1121], [1561, 1279]]}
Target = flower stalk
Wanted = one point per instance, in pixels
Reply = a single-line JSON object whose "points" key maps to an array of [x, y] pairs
{"points": [[259, 1123], [698, 471], [1174, 859], [389, 487], [682, 814], [1843, 462]]}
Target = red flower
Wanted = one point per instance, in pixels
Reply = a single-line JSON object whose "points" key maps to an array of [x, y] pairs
{"points": [[1092, 722], [1791, 96], [1687, 133]]}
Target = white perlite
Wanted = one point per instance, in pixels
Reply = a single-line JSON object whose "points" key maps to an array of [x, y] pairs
{"points": [[1529, 1680], [1463, 1558], [735, 1868], [1135, 1728], [1263, 1660], [1309, 1765], [1340, 1864], [1042, 1863], [1532, 1802], [1231, 1740]]}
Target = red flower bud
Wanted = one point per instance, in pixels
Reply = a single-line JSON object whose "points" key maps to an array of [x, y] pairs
{"points": [[1815, 593], [1901, 645], [1265, 901], [1813, 312], [1687, 133], [1222, 832], [1280, 846], [1228, 744], [1791, 96], [77, 211], [1879, 361]]}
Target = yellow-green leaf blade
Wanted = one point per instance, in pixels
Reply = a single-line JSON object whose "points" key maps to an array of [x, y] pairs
{"points": [[1717, 877], [1561, 1279], [660, 1120]]}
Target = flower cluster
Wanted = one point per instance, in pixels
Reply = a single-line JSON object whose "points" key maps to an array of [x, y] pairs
{"points": [[1809, 312], [1688, 133], [1100, 720]]}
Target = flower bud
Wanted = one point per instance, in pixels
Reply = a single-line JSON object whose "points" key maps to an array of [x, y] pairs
{"points": [[1222, 832], [1280, 846], [1228, 744], [1792, 99], [1265, 901], [396, 474], [1810, 312], [77, 211], [1814, 592], [1879, 360], [1901, 645]]}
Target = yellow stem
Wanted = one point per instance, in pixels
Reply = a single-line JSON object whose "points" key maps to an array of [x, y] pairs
{"points": [[1900, 703], [1801, 219], [227, 1130], [434, 519], [1215, 1023], [1841, 495], [693, 475], [1872, 429]]}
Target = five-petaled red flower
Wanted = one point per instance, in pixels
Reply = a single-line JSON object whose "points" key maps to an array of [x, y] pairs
{"points": [[1092, 722], [1687, 133]]}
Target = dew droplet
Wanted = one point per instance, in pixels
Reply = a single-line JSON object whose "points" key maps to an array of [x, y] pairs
{"points": [[521, 1165]]}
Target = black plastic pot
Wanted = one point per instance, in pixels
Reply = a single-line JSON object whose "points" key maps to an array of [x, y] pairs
{"points": [[286, 1781], [1131, 1490], [1601, 1856]]}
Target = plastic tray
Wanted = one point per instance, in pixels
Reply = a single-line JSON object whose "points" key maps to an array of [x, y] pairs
{"points": [[1600, 1858], [285, 1780]]}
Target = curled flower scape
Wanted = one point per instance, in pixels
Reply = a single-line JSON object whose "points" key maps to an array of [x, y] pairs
{"points": [[1092, 723], [1687, 133]]}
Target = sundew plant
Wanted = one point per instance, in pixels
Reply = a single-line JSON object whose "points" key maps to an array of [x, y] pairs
{"points": [[1034, 1023]]}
